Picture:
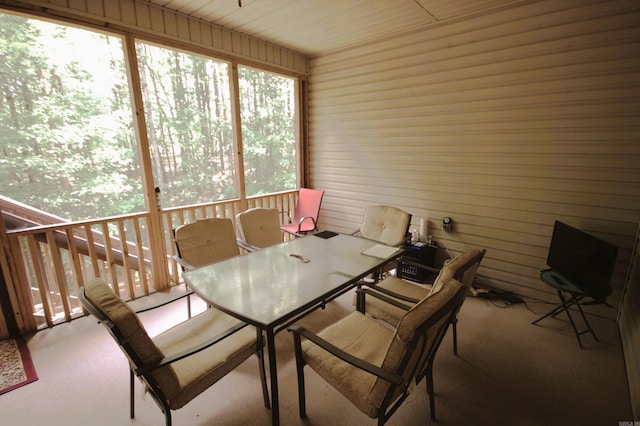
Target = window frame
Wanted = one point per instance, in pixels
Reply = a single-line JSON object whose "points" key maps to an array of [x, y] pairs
{"points": [[236, 127], [129, 37]]}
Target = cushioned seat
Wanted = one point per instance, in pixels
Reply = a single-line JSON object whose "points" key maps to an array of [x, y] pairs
{"points": [[205, 241], [386, 224], [202, 242], [375, 366], [259, 228], [463, 268], [183, 361]]}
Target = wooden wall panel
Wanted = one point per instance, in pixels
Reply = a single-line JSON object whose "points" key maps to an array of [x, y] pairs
{"points": [[144, 19], [504, 122]]}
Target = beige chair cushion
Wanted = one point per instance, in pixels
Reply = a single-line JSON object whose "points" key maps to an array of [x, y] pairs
{"points": [[369, 340], [198, 372], [386, 224], [450, 269], [388, 313], [127, 322], [360, 336], [206, 241], [391, 314], [259, 227], [185, 379], [421, 312]]}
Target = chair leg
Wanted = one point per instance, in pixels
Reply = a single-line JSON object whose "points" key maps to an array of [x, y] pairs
{"points": [[300, 369], [430, 391], [189, 305], [167, 417], [131, 395], [454, 323]]}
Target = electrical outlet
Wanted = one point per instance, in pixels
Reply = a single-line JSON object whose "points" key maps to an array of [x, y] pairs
{"points": [[447, 224]]}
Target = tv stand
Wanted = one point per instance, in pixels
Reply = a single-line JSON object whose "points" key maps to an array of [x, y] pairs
{"points": [[562, 285]]}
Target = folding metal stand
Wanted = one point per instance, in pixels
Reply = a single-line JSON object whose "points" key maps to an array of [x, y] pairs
{"points": [[557, 281]]}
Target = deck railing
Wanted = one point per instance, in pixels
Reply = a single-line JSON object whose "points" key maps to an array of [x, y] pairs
{"points": [[54, 261]]}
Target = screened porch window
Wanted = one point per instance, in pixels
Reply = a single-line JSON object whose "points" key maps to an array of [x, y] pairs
{"points": [[188, 112], [66, 127], [269, 113]]}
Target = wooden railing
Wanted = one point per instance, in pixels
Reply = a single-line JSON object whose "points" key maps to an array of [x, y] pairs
{"points": [[54, 261]]}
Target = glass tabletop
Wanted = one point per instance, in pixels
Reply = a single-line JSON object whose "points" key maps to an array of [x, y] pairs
{"points": [[268, 286]]}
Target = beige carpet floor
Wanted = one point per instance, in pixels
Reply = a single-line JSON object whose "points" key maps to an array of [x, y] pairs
{"points": [[508, 372]]}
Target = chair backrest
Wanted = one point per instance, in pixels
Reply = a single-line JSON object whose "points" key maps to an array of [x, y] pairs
{"points": [[463, 268], [308, 207], [206, 241], [125, 327], [386, 224], [259, 227], [416, 340]]}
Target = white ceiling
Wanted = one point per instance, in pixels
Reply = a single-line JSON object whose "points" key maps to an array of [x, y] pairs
{"points": [[315, 27]]}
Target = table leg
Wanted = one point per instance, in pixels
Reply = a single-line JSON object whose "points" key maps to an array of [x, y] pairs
{"points": [[273, 375]]}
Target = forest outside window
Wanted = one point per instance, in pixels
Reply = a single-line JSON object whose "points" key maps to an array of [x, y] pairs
{"points": [[67, 127], [269, 115], [188, 112]]}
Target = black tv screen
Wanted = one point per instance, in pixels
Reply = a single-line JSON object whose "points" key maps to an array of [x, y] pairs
{"points": [[583, 259]]}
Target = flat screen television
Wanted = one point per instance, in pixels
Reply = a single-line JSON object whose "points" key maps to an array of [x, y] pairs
{"points": [[584, 260]]}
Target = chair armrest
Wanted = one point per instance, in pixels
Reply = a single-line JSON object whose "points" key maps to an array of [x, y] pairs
{"points": [[194, 350], [302, 219], [188, 293], [375, 291], [282, 213], [246, 246], [185, 265], [345, 356]]}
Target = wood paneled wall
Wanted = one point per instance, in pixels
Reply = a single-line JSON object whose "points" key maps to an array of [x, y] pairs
{"points": [[150, 21], [504, 122]]}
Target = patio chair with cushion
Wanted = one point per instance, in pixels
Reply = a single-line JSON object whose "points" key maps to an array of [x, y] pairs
{"points": [[373, 365], [202, 242], [182, 362], [259, 228], [388, 225], [463, 268]]}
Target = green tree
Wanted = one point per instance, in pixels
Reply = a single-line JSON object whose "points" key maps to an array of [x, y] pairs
{"points": [[268, 131], [188, 119], [65, 122]]}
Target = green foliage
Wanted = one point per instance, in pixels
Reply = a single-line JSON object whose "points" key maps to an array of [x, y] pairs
{"points": [[268, 131], [67, 148], [66, 128]]}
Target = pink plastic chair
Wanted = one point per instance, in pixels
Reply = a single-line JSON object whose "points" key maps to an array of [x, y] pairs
{"points": [[306, 213]]}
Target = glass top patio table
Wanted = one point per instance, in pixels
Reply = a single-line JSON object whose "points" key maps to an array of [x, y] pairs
{"points": [[269, 288]]}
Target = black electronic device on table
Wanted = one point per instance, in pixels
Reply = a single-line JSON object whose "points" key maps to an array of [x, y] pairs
{"points": [[585, 261], [580, 265], [422, 253]]}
